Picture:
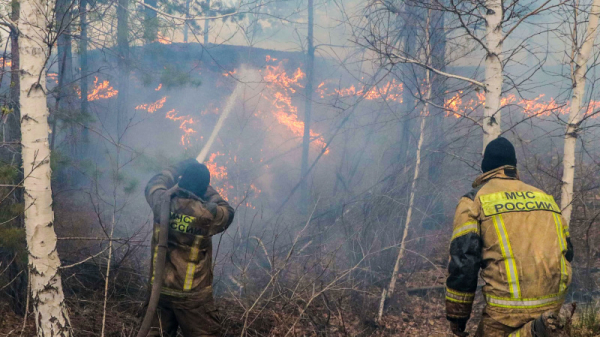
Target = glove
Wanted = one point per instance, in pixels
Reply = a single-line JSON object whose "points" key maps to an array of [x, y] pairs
{"points": [[212, 208], [458, 328]]}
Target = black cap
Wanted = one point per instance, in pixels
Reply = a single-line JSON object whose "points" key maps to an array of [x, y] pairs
{"points": [[195, 178], [499, 152]]}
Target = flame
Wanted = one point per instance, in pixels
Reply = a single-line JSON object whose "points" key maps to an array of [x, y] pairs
{"points": [[218, 173], [162, 39], [7, 63], [390, 91], [152, 107], [159, 87], [536, 107], [230, 73], [185, 125], [281, 88], [101, 90]]}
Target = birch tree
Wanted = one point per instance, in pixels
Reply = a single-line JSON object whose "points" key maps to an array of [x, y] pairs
{"points": [[46, 288], [580, 57], [413, 189]]}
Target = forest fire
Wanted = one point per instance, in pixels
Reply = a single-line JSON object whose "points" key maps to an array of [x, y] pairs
{"points": [[152, 107], [281, 88], [536, 107], [5, 62], [101, 90], [163, 40], [390, 92], [185, 125]]}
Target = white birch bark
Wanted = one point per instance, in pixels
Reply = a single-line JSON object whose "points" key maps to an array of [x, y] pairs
{"points": [[424, 115], [577, 112], [46, 288], [493, 72]]}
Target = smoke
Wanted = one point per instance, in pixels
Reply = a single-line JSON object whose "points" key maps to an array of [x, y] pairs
{"points": [[246, 77]]}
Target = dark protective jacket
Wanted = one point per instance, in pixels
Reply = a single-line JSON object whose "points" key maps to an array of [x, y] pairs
{"points": [[188, 267], [515, 234]]}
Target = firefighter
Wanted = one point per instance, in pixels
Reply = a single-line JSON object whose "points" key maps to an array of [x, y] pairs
{"points": [[515, 233], [197, 213]]}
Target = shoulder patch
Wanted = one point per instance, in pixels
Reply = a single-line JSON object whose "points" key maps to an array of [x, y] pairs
{"points": [[472, 193]]}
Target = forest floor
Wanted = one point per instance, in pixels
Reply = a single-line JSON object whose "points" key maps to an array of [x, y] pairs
{"points": [[406, 315]]}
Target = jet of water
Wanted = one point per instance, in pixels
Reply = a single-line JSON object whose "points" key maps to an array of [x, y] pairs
{"points": [[246, 77]]}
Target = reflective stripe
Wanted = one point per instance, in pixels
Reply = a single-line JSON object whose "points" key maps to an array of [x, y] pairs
{"points": [[465, 228], [562, 242], [458, 297], [156, 232], [523, 201], [173, 292], [523, 303], [191, 267], [515, 334], [507, 254]]}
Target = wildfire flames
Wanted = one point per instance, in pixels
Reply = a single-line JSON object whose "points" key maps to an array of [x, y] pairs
{"points": [[536, 107], [164, 40], [281, 88], [390, 92], [7, 63], [101, 91], [152, 107]]}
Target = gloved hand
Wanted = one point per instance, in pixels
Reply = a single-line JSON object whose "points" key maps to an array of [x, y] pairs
{"points": [[458, 328], [211, 207]]}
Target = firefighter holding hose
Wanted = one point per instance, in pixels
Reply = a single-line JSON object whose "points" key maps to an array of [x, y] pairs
{"points": [[196, 212], [516, 235]]}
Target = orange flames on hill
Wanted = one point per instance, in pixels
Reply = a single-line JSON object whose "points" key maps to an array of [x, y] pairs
{"points": [[390, 92], [536, 107], [152, 107], [7, 63], [163, 40], [282, 87], [101, 90]]}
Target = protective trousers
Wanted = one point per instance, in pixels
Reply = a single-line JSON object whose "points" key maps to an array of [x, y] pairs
{"points": [[196, 318], [488, 327]]}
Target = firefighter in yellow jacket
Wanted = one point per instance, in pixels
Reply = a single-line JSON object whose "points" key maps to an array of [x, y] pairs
{"points": [[515, 234], [197, 213]]}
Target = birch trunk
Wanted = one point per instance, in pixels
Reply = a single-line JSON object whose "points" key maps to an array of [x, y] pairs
{"points": [[307, 107], [207, 25], [576, 112], [46, 288], [424, 114], [493, 72]]}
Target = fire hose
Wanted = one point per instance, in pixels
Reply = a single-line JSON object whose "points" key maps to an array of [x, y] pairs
{"points": [[165, 211], [159, 264]]}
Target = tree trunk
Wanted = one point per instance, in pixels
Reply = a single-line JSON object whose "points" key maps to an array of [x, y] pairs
{"points": [[123, 66], [187, 15], [424, 115], [310, 61], [207, 24], [48, 300], [150, 22], [576, 112], [436, 135], [493, 71], [83, 62], [411, 73]]}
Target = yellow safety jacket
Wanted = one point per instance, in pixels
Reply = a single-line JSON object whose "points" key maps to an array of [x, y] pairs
{"points": [[188, 267], [515, 234]]}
